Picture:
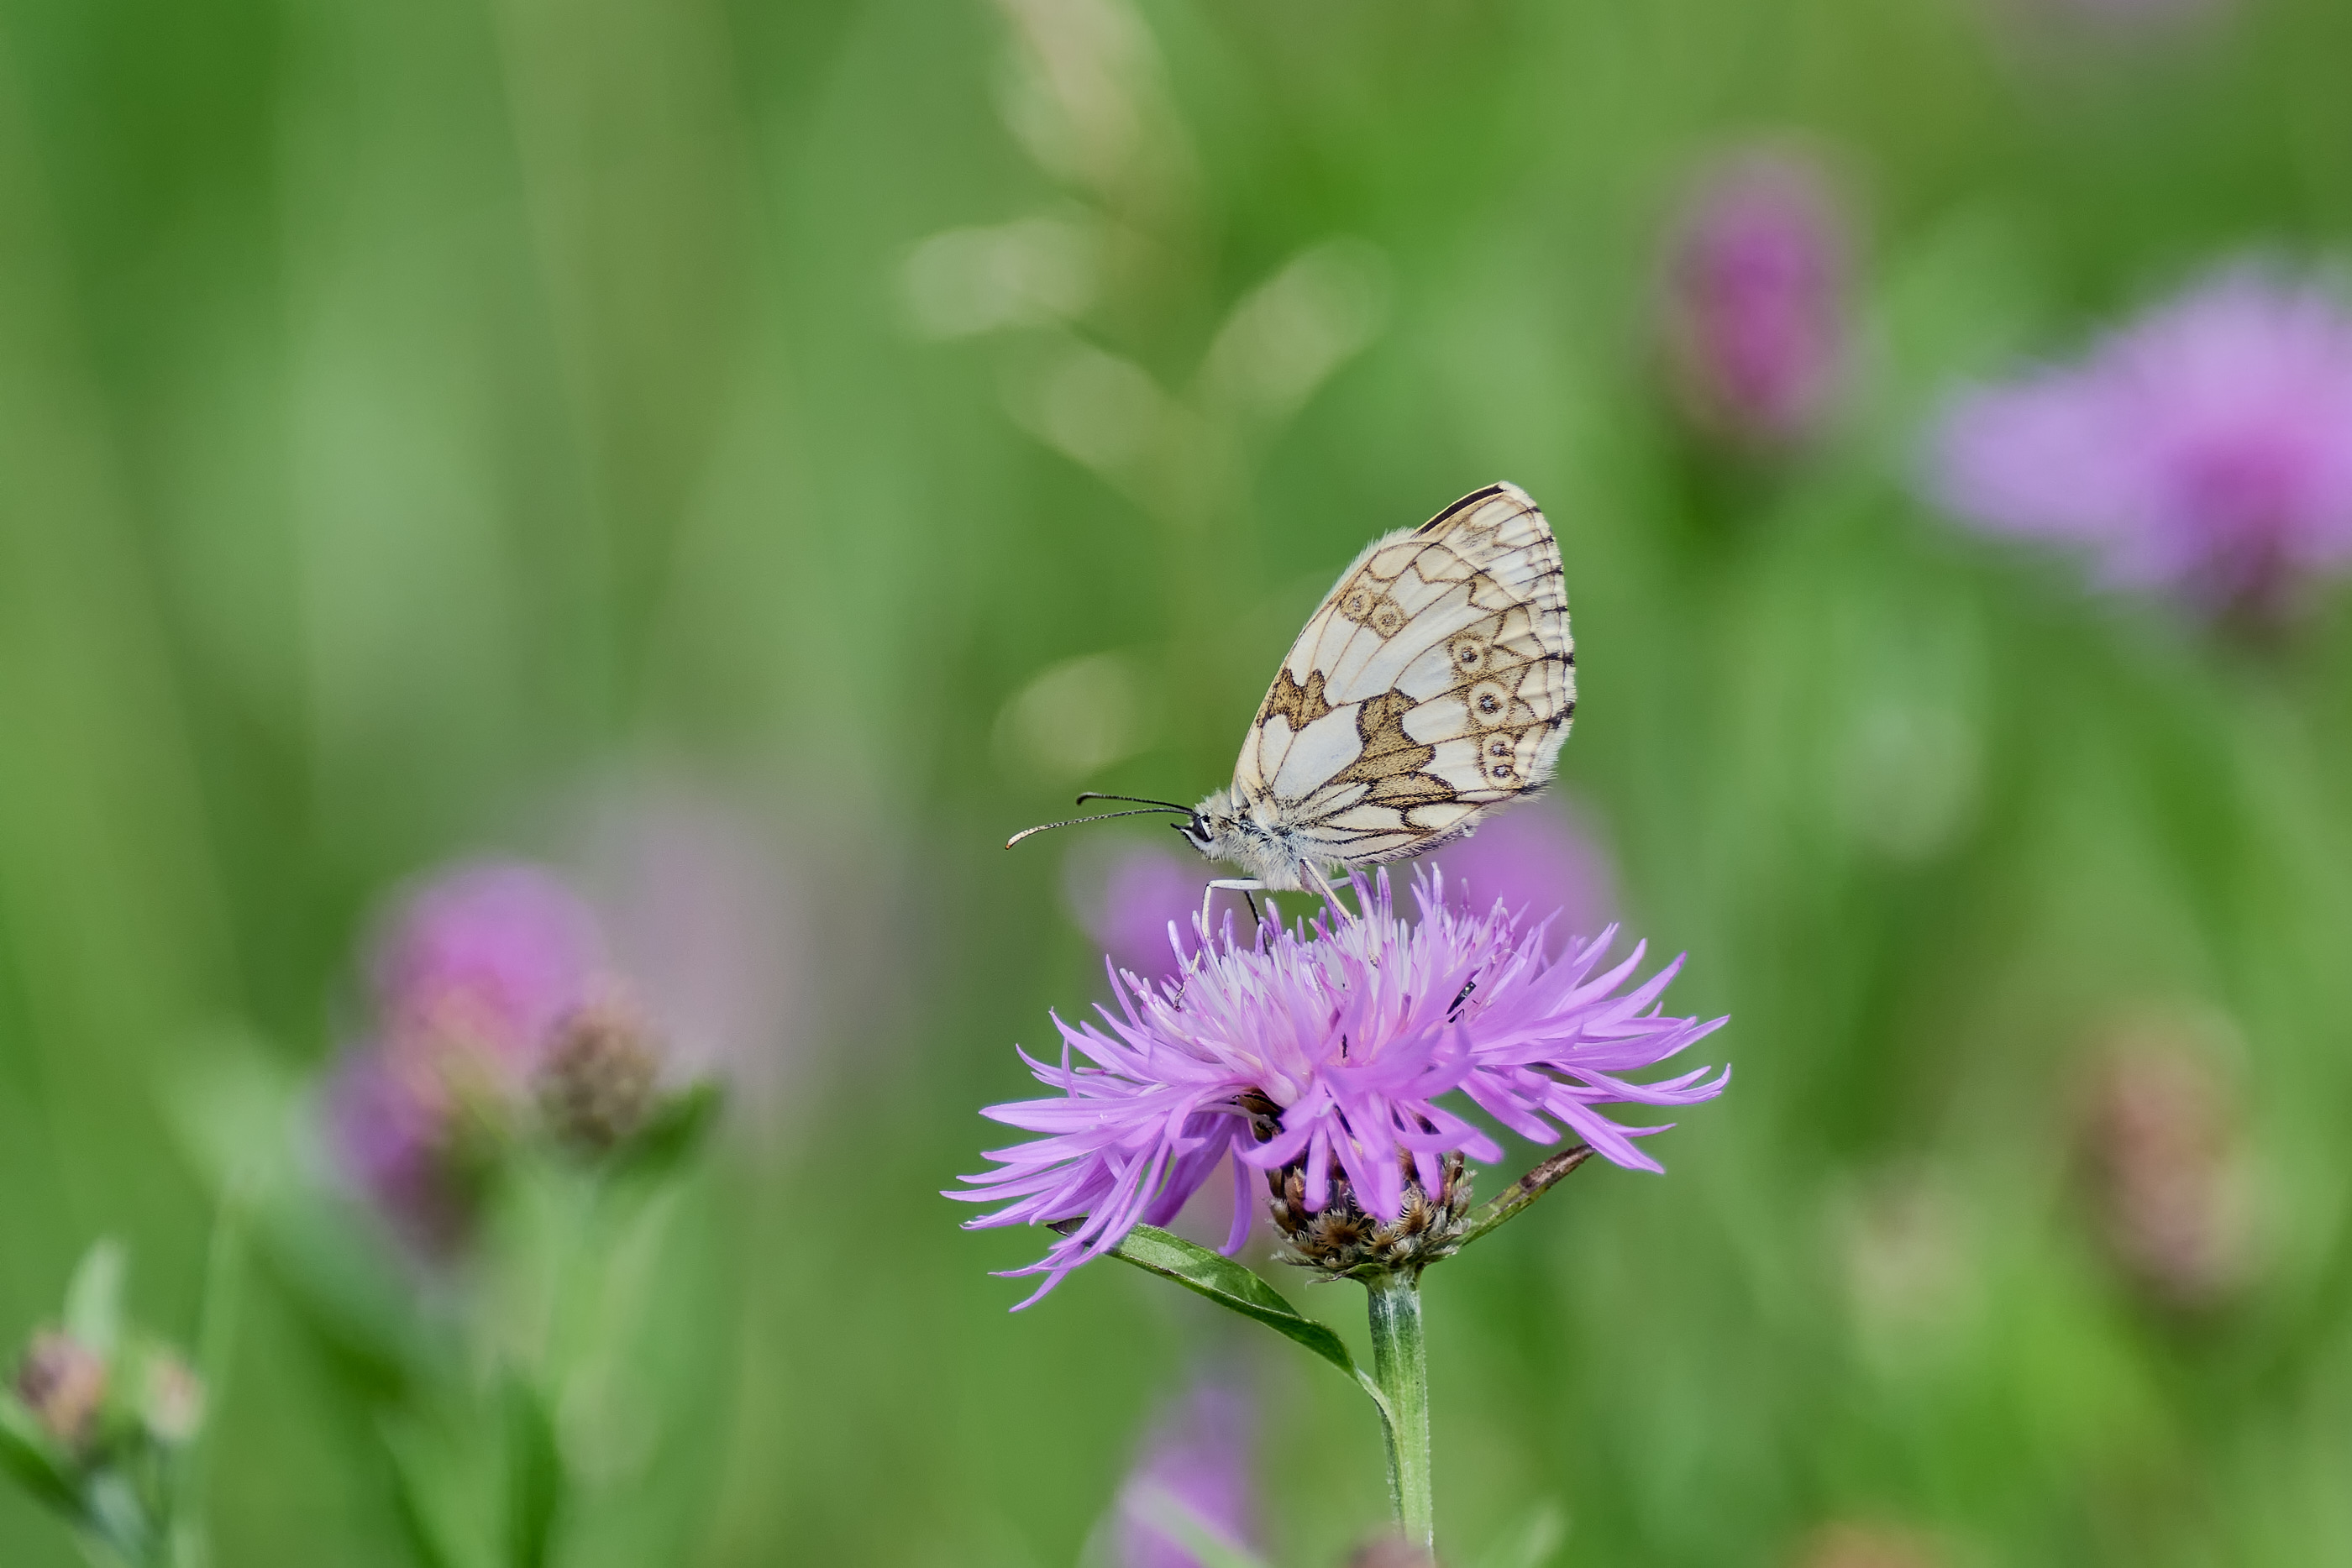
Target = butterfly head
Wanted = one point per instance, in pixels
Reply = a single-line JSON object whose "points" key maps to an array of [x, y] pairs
{"points": [[1212, 827], [1221, 830]]}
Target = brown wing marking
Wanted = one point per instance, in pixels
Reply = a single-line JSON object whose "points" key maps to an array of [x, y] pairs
{"points": [[1302, 705], [1366, 601], [1391, 761]]}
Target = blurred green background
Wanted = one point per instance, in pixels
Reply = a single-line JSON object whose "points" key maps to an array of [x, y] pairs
{"points": [[417, 418]]}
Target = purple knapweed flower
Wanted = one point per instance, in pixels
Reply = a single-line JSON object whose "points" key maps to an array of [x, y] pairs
{"points": [[1756, 306], [1197, 1460], [1534, 859], [1337, 1042], [473, 980], [2204, 450]]}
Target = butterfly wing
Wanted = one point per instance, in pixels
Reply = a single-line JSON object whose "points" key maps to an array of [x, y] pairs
{"points": [[1436, 683]]}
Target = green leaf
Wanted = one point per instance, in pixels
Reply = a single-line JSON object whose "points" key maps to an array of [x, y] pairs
{"points": [[34, 1457], [445, 1469], [1523, 1192], [678, 1126], [427, 1532], [94, 1299], [1236, 1289], [113, 1511], [534, 1476]]}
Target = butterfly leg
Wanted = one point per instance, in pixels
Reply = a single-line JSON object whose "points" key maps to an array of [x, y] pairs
{"points": [[1323, 885], [1244, 885]]}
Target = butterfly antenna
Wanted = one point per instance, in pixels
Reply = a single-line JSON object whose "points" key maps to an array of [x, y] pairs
{"points": [[1105, 817], [1139, 800]]}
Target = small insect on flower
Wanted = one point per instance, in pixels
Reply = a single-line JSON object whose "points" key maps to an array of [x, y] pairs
{"points": [[1323, 1058], [1434, 684]]}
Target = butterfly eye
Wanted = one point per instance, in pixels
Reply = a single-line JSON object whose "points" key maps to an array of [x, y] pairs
{"points": [[1488, 700], [1501, 770], [1388, 619], [1469, 652], [1498, 746], [1357, 605]]}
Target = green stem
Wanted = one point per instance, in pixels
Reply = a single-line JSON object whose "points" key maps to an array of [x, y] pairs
{"points": [[1401, 1367], [181, 1540]]}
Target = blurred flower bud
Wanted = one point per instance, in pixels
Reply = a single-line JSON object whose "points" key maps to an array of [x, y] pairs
{"points": [[598, 1079], [172, 1406], [1848, 1545], [63, 1382], [472, 977], [93, 1415], [2160, 1147], [1756, 307], [1391, 1551]]}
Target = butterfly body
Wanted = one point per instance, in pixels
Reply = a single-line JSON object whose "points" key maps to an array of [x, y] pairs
{"points": [[1434, 684]]}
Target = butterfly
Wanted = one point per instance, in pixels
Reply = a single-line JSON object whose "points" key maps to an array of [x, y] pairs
{"points": [[1435, 686]]}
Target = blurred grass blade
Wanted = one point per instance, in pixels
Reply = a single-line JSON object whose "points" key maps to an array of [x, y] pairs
{"points": [[1172, 1517], [534, 1476], [94, 1299], [427, 1520], [1533, 1541]]}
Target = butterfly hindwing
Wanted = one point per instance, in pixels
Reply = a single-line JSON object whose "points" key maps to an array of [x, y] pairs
{"points": [[1435, 682]]}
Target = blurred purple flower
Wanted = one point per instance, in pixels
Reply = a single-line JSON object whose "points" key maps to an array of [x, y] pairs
{"points": [[1127, 900], [473, 978], [2205, 450], [1532, 860], [1337, 1042], [487, 960], [1199, 1459], [1756, 300], [391, 1135]]}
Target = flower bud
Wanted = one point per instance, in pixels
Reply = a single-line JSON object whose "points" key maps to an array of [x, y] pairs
{"points": [[1342, 1240], [172, 1407], [598, 1079], [63, 1382], [1756, 302], [2159, 1143]]}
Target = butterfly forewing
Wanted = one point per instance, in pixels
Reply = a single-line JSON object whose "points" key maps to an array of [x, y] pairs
{"points": [[1437, 681]]}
